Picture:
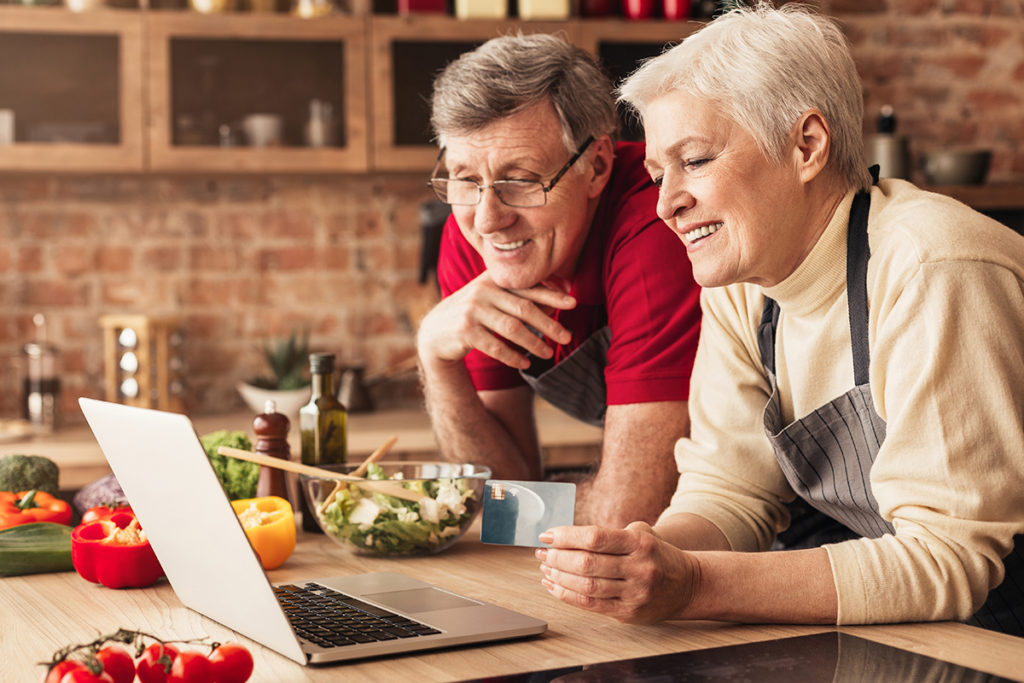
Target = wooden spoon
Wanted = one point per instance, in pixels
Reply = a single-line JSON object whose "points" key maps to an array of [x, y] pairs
{"points": [[361, 470], [385, 486]]}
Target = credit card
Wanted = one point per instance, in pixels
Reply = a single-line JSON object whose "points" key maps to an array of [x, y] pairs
{"points": [[517, 512]]}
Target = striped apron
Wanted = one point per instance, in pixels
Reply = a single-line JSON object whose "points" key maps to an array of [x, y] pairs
{"points": [[827, 455], [575, 384]]}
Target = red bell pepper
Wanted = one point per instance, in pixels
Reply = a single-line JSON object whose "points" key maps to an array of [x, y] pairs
{"points": [[99, 512], [115, 552], [32, 506]]}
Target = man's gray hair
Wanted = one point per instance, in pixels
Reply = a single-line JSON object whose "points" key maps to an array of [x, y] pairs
{"points": [[512, 73], [765, 67]]}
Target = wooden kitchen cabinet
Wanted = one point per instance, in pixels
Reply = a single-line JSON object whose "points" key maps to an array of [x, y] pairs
{"points": [[75, 87], [406, 54], [207, 73], [621, 44]]}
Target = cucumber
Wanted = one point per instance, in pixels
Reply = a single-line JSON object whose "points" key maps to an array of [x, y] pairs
{"points": [[35, 548]]}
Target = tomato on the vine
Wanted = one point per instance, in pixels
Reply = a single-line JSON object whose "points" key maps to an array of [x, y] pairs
{"points": [[83, 675], [150, 668], [58, 670], [231, 663], [117, 662], [190, 666]]}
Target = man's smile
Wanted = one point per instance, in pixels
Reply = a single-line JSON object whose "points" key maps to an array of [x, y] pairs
{"points": [[509, 246]]}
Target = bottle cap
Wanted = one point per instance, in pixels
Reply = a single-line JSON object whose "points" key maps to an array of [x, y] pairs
{"points": [[321, 363], [886, 120]]}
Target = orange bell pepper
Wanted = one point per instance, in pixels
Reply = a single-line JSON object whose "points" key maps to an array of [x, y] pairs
{"points": [[269, 522], [32, 506]]}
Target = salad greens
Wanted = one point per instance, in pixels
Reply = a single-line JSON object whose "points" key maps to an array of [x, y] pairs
{"points": [[380, 523]]}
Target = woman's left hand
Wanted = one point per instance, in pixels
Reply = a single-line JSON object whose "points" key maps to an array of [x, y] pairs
{"points": [[629, 574]]}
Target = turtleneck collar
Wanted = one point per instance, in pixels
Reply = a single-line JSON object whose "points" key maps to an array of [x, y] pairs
{"points": [[817, 279]]}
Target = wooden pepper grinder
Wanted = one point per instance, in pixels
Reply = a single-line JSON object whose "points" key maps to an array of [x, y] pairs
{"points": [[271, 428]]}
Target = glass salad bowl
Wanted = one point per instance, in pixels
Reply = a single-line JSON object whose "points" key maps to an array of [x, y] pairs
{"points": [[445, 499]]}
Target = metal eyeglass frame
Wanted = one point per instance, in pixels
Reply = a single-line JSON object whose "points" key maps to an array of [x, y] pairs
{"points": [[497, 183]]}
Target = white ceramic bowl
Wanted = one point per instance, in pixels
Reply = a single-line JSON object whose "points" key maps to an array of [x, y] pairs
{"points": [[288, 402]]}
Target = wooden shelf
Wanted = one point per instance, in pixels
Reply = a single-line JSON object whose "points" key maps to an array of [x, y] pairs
{"points": [[1007, 196]]}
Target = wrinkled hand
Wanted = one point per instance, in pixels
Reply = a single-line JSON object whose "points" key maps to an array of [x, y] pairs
{"points": [[628, 574], [471, 317]]}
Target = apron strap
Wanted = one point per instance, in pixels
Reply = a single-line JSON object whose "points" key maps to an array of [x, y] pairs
{"points": [[857, 254], [766, 333]]}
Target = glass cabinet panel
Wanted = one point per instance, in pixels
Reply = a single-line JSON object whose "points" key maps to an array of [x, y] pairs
{"points": [[70, 90], [257, 93]]}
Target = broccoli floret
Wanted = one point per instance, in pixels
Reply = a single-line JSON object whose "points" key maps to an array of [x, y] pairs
{"points": [[25, 472], [238, 477]]}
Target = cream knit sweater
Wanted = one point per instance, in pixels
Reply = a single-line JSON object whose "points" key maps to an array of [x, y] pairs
{"points": [[946, 319]]}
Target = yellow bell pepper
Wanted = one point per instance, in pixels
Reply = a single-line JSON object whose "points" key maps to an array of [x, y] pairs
{"points": [[270, 525]]}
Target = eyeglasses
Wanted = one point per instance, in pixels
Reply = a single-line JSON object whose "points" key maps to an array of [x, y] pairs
{"points": [[520, 194]]}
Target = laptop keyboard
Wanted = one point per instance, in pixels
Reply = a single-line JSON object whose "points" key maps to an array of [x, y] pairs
{"points": [[328, 618]]}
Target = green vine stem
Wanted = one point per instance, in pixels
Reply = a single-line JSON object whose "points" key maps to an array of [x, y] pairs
{"points": [[86, 652]]}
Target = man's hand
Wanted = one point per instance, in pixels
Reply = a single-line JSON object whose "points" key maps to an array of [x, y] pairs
{"points": [[628, 574], [493, 320]]}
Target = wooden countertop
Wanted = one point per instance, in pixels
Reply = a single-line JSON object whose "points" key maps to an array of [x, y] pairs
{"points": [[566, 442], [54, 610]]}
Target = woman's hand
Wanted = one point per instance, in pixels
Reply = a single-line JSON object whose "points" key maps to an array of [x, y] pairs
{"points": [[629, 574], [494, 321]]}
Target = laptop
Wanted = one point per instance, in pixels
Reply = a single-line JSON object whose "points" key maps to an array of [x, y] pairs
{"points": [[160, 463]]}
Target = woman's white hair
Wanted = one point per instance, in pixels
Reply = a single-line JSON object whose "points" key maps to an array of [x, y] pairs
{"points": [[765, 67]]}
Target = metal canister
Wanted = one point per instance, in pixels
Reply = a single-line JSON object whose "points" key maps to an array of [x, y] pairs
{"points": [[41, 387]]}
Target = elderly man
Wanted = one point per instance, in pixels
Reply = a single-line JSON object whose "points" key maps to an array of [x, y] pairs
{"points": [[559, 279], [860, 350]]}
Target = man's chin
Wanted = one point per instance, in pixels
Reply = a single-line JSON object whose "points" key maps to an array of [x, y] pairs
{"points": [[513, 280]]}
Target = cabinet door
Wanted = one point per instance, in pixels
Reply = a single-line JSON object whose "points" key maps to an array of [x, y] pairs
{"points": [[621, 44], [235, 93], [74, 85], [407, 52]]}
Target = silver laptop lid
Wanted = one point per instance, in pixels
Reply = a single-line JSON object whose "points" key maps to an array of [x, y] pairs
{"points": [[161, 465]]}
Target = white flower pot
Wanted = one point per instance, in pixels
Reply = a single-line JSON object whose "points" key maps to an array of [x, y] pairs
{"points": [[288, 402]]}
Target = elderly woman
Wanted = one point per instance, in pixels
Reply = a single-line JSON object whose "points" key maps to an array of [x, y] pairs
{"points": [[559, 279], [861, 351]]}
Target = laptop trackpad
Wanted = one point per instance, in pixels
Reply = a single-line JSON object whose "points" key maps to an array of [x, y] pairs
{"points": [[420, 600]]}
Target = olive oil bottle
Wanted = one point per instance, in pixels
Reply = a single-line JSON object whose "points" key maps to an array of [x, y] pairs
{"points": [[323, 425]]}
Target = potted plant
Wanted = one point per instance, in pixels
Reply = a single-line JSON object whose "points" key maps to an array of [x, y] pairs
{"points": [[288, 382]]}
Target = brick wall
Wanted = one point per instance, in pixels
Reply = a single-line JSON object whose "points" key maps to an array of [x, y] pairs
{"points": [[243, 259], [247, 258], [952, 69]]}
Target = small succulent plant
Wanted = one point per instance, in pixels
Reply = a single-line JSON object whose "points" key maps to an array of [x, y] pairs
{"points": [[288, 360]]}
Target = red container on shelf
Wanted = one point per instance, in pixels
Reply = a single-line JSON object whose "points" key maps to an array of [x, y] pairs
{"points": [[422, 6], [676, 10], [639, 9], [598, 8]]}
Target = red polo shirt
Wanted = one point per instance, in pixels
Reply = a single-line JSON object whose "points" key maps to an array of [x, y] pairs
{"points": [[633, 275]]}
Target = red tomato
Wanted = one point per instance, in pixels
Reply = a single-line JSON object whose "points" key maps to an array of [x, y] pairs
{"points": [[150, 669], [117, 662], [190, 666], [58, 670], [231, 663], [83, 675]]}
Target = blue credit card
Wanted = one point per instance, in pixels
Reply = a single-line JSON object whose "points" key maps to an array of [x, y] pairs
{"points": [[517, 512]]}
